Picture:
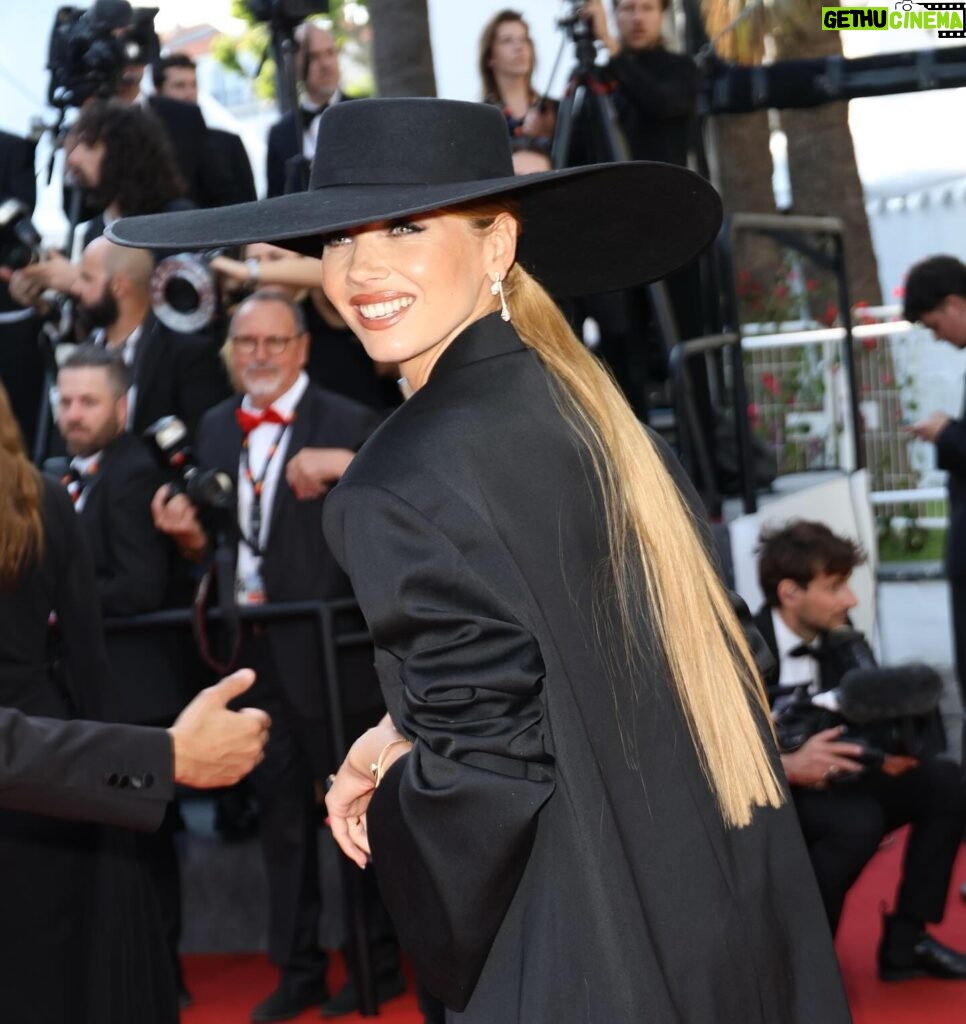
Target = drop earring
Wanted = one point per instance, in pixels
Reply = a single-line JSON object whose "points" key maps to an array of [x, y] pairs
{"points": [[497, 289]]}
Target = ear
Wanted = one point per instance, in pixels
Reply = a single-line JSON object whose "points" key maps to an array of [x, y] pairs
{"points": [[120, 410], [304, 340], [501, 240], [788, 592]]}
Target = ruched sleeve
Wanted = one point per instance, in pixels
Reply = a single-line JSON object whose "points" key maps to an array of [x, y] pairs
{"points": [[453, 822]]}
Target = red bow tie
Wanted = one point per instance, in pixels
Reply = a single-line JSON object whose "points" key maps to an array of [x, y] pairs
{"points": [[248, 421]]}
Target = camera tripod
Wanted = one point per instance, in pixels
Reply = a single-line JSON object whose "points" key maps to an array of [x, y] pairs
{"points": [[588, 130]]}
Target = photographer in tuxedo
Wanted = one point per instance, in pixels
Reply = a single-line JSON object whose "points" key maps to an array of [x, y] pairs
{"points": [[845, 808], [285, 442]]}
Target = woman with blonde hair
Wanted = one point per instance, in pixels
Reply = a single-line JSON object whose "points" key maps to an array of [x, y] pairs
{"points": [[574, 804]]}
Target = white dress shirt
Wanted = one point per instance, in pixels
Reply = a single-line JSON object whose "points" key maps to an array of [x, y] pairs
{"points": [[793, 671], [248, 569]]}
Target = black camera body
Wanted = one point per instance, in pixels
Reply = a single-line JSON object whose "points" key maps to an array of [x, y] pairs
{"points": [[19, 239], [89, 49], [212, 490]]}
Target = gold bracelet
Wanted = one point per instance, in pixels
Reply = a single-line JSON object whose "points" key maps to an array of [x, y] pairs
{"points": [[377, 766]]}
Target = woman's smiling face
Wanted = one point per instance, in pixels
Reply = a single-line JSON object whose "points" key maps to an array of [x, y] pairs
{"points": [[408, 287]]}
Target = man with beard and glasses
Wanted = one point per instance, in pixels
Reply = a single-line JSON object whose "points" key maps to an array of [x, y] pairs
{"points": [[172, 374], [111, 481], [286, 442]]}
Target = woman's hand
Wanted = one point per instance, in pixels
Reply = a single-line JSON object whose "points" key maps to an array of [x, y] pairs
{"points": [[352, 787]]}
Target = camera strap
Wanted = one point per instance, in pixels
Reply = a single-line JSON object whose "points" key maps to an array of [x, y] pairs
{"points": [[254, 533]]}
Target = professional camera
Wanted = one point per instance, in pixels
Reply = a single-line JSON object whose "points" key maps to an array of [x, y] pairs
{"points": [[287, 12], [886, 711], [211, 489], [89, 49], [19, 240], [576, 27]]}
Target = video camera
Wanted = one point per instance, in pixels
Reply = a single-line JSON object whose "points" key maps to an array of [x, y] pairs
{"points": [[286, 12], [886, 711], [211, 489], [89, 49]]}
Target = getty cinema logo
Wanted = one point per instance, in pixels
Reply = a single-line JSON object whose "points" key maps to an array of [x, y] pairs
{"points": [[946, 19]]}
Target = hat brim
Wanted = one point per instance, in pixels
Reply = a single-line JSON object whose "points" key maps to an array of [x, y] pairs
{"points": [[584, 230]]}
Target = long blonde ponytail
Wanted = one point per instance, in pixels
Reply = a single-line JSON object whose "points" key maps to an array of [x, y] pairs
{"points": [[650, 529]]}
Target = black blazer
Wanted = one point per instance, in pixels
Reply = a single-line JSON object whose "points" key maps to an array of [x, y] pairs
{"points": [[74, 770], [229, 178], [176, 375], [766, 628], [283, 146], [134, 565], [297, 565], [951, 456], [540, 851]]}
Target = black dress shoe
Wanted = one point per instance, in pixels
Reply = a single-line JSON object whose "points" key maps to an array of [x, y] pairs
{"points": [[928, 959], [346, 1000], [290, 998]]}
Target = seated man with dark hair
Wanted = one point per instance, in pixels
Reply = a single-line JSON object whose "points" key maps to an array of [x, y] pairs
{"points": [[844, 808]]}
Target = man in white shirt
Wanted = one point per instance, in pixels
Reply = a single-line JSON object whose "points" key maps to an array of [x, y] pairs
{"points": [[844, 808]]}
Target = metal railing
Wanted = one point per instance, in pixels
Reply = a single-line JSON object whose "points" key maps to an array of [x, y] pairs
{"points": [[337, 626]]}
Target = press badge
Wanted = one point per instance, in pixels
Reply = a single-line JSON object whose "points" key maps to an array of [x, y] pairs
{"points": [[251, 589]]}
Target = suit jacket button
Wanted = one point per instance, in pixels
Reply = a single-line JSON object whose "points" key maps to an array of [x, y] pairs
{"points": [[136, 782], [111, 779], [123, 781], [148, 780]]}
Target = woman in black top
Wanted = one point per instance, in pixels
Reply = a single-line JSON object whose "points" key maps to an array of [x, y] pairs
{"points": [[574, 806]]}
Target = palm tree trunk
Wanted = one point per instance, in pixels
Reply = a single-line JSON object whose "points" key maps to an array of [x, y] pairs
{"points": [[402, 55]]}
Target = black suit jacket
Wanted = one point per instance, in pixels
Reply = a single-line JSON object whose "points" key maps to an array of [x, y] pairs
{"points": [[951, 456], [283, 145], [297, 564], [553, 800], [74, 770], [229, 170], [176, 375], [133, 564]]}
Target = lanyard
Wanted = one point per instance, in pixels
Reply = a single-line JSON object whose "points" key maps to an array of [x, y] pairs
{"points": [[258, 484]]}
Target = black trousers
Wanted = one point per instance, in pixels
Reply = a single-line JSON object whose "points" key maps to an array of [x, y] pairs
{"points": [[289, 823], [844, 824], [957, 593]]}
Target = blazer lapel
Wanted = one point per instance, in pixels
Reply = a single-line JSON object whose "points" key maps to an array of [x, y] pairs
{"points": [[299, 438]]}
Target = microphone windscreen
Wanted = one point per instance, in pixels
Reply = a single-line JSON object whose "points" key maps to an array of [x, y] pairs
{"points": [[874, 694]]}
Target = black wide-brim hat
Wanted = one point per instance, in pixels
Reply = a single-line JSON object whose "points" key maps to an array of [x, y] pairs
{"points": [[584, 230]]}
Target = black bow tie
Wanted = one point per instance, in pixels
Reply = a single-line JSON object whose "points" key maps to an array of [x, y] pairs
{"points": [[308, 116], [802, 651]]}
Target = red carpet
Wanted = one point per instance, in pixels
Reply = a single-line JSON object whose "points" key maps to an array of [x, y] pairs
{"points": [[227, 987], [908, 1002]]}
